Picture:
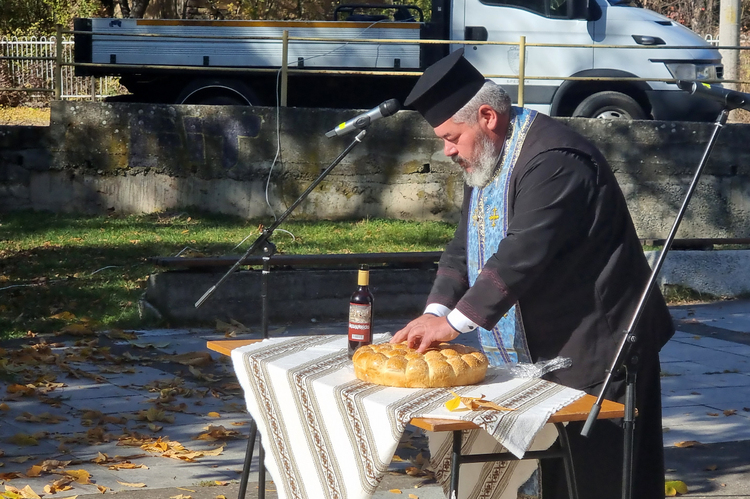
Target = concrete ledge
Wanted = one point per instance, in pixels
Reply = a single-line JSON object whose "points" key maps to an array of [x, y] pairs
{"points": [[722, 273], [293, 295], [302, 295]]}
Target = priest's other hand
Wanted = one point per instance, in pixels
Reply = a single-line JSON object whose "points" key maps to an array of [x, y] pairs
{"points": [[423, 331]]}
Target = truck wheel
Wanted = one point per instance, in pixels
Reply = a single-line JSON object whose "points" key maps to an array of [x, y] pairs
{"points": [[217, 93], [610, 106]]}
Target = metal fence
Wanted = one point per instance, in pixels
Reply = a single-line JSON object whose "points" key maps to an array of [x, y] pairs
{"points": [[29, 63]]}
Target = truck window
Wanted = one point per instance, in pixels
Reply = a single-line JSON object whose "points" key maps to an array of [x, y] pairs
{"points": [[546, 8]]}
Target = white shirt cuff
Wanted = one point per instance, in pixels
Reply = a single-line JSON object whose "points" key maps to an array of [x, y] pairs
{"points": [[460, 322], [437, 309]]}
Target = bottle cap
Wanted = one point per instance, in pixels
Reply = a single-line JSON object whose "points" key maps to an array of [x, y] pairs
{"points": [[363, 277]]}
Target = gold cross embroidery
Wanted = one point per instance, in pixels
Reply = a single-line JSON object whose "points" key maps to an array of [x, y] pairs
{"points": [[494, 216]]}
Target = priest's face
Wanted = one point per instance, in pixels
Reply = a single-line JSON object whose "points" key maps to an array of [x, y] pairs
{"points": [[472, 149]]}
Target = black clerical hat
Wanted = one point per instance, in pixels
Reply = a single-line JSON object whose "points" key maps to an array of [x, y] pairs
{"points": [[444, 88]]}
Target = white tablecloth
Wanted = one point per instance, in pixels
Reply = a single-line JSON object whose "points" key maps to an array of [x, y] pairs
{"points": [[329, 435]]}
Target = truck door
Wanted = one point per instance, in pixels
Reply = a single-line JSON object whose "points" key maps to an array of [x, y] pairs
{"points": [[541, 21]]}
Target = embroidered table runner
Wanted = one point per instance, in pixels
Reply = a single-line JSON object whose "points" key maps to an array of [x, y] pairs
{"points": [[329, 435]]}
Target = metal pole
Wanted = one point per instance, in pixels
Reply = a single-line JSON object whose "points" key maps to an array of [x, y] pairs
{"points": [[521, 69], [729, 35], [284, 66], [57, 80], [628, 425]]}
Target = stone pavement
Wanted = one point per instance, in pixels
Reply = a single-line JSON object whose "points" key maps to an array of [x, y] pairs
{"points": [[92, 392]]}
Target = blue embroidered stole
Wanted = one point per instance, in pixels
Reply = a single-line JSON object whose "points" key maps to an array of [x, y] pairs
{"points": [[487, 226]]}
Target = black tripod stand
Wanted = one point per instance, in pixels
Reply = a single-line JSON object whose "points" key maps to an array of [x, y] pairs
{"points": [[626, 357], [268, 249]]}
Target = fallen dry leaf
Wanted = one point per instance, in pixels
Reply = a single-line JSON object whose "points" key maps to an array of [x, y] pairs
{"points": [[711, 467], [135, 485], [23, 440], [126, 466], [192, 358], [24, 390], [730, 412], [11, 475], [59, 485], [79, 476], [688, 443], [35, 470], [24, 493], [214, 433], [155, 414]]}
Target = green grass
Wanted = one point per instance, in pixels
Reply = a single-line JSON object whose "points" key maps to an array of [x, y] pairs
{"points": [[95, 267]]}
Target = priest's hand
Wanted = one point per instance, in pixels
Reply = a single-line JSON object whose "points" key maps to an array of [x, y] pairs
{"points": [[423, 331]]}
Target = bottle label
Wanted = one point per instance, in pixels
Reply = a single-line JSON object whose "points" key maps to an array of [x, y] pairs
{"points": [[359, 322]]}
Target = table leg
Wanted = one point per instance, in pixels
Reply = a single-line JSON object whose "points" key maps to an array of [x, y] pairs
{"points": [[262, 473], [455, 464], [567, 457], [248, 459]]}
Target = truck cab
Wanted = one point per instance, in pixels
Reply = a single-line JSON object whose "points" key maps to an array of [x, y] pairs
{"points": [[630, 82]]}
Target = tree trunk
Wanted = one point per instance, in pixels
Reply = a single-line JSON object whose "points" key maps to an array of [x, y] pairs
{"points": [[139, 9], [125, 8]]}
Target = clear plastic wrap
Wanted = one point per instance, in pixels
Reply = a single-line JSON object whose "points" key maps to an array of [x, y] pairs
{"points": [[538, 369]]}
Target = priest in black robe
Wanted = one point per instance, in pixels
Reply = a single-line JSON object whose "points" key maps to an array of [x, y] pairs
{"points": [[545, 262]]}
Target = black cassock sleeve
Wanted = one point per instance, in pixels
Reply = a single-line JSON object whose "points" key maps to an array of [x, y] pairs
{"points": [[552, 212]]}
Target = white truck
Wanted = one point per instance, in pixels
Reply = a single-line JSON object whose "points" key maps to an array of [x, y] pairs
{"points": [[366, 58]]}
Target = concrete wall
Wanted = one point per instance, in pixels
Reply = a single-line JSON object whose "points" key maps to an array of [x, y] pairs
{"points": [[143, 158]]}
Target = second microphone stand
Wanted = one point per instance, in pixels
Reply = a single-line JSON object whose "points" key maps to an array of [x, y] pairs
{"points": [[267, 248], [626, 358]]}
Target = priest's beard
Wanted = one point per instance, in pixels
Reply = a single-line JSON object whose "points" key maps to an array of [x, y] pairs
{"points": [[482, 163]]}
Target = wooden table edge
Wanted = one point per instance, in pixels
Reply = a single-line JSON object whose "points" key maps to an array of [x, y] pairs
{"points": [[575, 411], [225, 347]]}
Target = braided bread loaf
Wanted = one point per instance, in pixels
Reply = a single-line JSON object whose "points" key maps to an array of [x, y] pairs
{"points": [[395, 364]]}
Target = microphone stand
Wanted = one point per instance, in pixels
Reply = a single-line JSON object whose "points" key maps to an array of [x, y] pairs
{"points": [[268, 248], [626, 358]]}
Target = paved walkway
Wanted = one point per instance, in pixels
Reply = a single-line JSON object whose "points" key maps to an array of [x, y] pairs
{"points": [[92, 393]]}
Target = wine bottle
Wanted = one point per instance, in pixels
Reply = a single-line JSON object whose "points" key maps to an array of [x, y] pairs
{"points": [[360, 312]]}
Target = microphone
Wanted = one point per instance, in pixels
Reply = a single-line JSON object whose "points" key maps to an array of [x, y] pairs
{"points": [[364, 120], [731, 99]]}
